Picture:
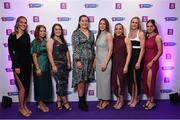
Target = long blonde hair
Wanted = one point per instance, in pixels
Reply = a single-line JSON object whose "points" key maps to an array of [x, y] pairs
{"points": [[139, 22], [17, 24]]}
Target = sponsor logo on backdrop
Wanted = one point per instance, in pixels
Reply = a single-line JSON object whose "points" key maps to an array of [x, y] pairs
{"points": [[35, 18], [166, 90], [166, 80], [35, 5], [12, 93], [32, 32], [172, 5], [144, 18], [7, 5], [91, 5], [63, 5], [117, 19], [5, 44], [12, 81], [9, 70], [65, 31], [171, 18], [8, 19], [8, 31], [168, 68], [118, 6], [170, 31], [91, 18], [63, 18], [169, 43], [168, 56], [145, 5], [91, 92], [9, 58]]}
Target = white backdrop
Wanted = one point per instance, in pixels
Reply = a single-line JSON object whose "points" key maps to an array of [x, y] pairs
{"points": [[67, 12]]}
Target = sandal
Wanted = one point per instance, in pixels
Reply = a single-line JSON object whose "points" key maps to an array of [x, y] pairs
{"points": [[147, 103], [24, 113], [59, 105], [67, 106], [150, 106]]}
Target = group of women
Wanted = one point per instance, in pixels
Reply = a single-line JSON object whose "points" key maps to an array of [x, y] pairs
{"points": [[116, 60]]}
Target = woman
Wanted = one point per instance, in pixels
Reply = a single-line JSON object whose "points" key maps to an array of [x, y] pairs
{"points": [[59, 58], [120, 61], [20, 51], [83, 59], [41, 68], [135, 66], [154, 50], [104, 48]]}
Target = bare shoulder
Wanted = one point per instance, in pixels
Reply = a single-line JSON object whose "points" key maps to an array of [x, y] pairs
{"points": [[127, 40], [141, 33], [158, 38], [109, 35]]}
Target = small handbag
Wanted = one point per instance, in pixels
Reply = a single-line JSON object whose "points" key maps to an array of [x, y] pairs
{"points": [[6, 102]]}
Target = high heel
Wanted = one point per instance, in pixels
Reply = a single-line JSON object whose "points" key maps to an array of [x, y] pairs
{"points": [[24, 113], [150, 106], [67, 106], [104, 105], [147, 103], [59, 105]]}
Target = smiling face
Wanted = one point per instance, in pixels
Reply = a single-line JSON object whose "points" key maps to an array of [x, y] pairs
{"points": [[119, 30], [22, 24], [134, 24], [57, 31], [102, 25], [150, 27], [84, 23], [42, 32]]}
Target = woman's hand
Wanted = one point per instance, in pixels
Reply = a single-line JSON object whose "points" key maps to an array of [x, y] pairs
{"points": [[54, 69], [137, 66], [79, 65], [69, 66], [125, 70], [17, 70], [103, 67], [149, 65], [38, 72]]}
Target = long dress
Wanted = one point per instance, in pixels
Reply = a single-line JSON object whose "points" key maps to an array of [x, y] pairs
{"points": [[151, 51], [20, 53], [134, 58], [60, 60], [103, 82], [118, 62], [83, 50], [43, 83]]}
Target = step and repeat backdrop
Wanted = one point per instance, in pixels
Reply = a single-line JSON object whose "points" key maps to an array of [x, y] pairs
{"points": [[67, 12]]}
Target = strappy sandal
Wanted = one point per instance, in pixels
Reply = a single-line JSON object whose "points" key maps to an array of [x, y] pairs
{"points": [[67, 106], [146, 105], [59, 105], [24, 114], [150, 106]]}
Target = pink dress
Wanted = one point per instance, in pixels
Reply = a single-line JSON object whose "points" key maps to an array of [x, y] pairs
{"points": [[150, 53]]}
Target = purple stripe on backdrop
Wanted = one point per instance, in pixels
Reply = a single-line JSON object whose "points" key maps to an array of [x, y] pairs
{"points": [[164, 110]]}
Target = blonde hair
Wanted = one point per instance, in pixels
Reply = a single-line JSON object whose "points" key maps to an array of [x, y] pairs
{"points": [[17, 24], [139, 22]]}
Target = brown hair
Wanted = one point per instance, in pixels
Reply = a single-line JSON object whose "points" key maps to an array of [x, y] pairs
{"points": [[37, 30]]}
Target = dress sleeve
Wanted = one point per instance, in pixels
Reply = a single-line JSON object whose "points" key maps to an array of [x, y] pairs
{"points": [[76, 46], [33, 47]]}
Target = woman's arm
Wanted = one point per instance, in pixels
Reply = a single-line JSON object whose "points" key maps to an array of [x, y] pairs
{"points": [[129, 53]]}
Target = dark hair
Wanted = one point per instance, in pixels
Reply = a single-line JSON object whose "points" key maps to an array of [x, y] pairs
{"points": [[154, 24], [37, 30], [122, 28], [107, 26], [17, 24], [62, 34], [80, 17]]}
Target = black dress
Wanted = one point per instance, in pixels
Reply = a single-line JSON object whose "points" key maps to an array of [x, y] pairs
{"points": [[20, 52]]}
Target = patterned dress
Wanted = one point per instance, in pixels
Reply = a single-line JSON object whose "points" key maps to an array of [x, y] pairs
{"points": [[118, 62], [60, 59], [83, 50], [43, 83], [151, 51]]}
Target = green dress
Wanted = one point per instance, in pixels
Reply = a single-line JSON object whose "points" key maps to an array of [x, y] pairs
{"points": [[43, 83], [83, 50]]}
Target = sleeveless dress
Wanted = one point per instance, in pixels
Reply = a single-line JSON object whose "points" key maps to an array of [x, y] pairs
{"points": [[103, 82], [43, 83], [151, 51], [61, 77], [134, 58], [118, 62]]}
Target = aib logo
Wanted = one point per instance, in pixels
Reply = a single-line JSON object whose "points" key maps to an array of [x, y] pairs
{"points": [[5, 44], [90, 5], [169, 43], [12, 93], [7, 5], [63, 5], [118, 18], [9, 58], [64, 31], [8, 18], [35, 18], [118, 6], [168, 56], [171, 18], [172, 5], [63, 18], [170, 31], [8, 31], [166, 90], [166, 80], [94, 31], [144, 18], [145, 5], [8, 69], [91, 18], [12, 82], [32, 32], [91, 92], [168, 68], [35, 5]]}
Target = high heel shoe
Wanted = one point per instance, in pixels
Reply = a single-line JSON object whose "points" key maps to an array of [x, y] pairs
{"points": [[150, 106], [24, 113], [146, 105], [59, 105], [41, 108], [104, 105], [67, 106]]}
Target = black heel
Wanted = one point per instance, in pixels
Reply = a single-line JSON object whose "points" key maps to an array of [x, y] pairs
{"points": [[67, 106], [59, 105]]}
